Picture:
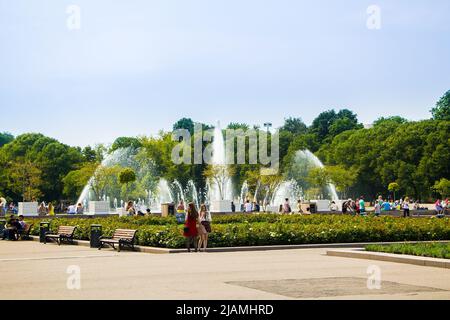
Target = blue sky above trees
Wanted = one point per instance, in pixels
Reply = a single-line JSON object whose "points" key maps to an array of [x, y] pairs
{"points": [[136, 67]]}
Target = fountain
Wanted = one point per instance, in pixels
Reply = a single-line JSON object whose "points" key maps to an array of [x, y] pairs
{"points": [[192, 194], [162, 195], [295, 185], [220, 187]]}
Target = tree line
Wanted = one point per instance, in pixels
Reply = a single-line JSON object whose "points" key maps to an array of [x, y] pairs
{"points": [[413, 156]]}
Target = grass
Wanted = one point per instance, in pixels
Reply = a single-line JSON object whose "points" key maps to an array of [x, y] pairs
{"points": [[434, 249]]}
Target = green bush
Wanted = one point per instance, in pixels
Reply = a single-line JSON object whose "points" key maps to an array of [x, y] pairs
{"points": [[435, 250], [267, 229]]}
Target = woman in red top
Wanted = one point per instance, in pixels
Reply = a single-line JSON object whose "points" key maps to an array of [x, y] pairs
{"points": [[190, 227]]}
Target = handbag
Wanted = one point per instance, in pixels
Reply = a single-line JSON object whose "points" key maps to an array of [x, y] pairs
{"points": [[186, 229]]}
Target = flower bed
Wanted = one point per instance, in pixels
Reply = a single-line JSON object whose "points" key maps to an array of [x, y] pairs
{"points": [[268, 229]]}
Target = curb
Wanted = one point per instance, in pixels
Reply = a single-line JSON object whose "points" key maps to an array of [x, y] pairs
{"points": [[390, 257], [157, 250]]}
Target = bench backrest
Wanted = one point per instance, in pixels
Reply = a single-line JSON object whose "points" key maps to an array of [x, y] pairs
{"points": [[27, 228], [125, 234], [66, 230]]}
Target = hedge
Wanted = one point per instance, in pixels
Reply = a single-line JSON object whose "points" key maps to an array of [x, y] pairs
{"points": [[268, 229]]}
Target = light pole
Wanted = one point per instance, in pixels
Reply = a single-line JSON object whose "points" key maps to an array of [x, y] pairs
{"points": [[268, 125]]}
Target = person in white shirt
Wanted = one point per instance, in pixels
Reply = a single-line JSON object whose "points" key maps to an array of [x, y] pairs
{"points": [[248, 207], [72, 209]]}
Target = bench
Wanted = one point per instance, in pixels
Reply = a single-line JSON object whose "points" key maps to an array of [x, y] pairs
{"points": [[25, 233], [64, 233], [121, 238]]}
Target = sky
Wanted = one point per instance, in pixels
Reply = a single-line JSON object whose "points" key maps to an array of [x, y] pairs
{"points": [[135, 67]]}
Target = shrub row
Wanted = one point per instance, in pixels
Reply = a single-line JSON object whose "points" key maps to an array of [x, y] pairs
{"points": [[269, 229]]}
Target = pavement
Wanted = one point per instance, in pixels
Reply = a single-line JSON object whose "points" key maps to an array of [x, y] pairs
{"points": [[33, 270]]}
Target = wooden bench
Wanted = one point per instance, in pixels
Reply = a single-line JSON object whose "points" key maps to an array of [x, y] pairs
{"points": [[25, 233], [64, 233], [121, 238]]}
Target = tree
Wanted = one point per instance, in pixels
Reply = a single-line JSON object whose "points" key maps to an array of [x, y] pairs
{"points": [[76, 180], [392, 119], [443, 187], [126, 177], [54, 159], [319, 178], [393, 187], [236, 125], [342, 178], [220, 175], [442, 109], [126, 142], [294, 125], [25, 179], [184, 123], [5, 138], [330, 123], [105, 180]]}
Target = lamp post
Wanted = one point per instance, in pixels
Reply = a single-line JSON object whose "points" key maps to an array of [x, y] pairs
{"points": [[268, 125]]}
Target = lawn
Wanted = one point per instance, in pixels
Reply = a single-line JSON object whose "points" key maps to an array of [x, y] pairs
{"points": [[434, 250], [268, 229]]}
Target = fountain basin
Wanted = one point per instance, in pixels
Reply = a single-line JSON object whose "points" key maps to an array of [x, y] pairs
{"points": [[28, 209], [220, 206], [98, 207]]}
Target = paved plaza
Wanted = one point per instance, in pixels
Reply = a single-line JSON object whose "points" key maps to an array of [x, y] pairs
{"points": [[35, 271]]}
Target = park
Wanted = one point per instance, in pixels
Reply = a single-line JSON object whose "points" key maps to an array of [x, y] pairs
{"points": [[133, 201], [225, 155]]}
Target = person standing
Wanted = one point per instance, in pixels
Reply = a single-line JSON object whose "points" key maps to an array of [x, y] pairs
{"points": [[299, 207], [190, 227], [405, 206], [287, 207], [51, 209], [204, 228], [377, 208], [362, 206], [42, 210], [248, 206], [2, 206]]}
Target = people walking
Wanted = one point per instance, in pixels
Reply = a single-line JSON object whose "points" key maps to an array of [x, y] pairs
{"points": [[190, 227]]}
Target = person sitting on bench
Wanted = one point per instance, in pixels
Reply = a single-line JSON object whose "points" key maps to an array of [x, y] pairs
{"points": [[12, 228]]}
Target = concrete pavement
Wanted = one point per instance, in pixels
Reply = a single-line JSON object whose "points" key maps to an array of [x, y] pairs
{"points": [[35, 271]]}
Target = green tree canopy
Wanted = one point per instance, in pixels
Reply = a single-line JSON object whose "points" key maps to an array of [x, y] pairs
{"points": [[5, 138], [294, 125], [442, 109], [54, 160], [126, 142], [184, 123]]}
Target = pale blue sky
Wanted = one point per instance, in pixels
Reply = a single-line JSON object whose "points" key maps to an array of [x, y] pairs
{"points": [[136, 67]]}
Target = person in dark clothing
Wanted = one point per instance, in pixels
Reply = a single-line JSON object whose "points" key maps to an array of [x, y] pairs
{"points": [[13, 227]]}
